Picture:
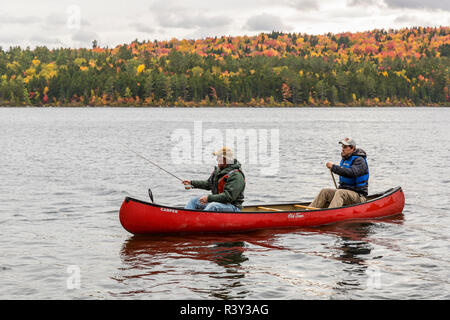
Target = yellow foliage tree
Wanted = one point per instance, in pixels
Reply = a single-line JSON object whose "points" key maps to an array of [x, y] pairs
{"points": [[140, 68]]}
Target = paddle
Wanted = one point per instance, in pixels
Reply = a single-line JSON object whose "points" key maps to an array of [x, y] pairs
{"points": [[331, 172]]}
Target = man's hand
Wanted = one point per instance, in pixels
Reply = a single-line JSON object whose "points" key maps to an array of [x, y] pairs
{"points": [[329, 165], [204, 200], [187, 184]]}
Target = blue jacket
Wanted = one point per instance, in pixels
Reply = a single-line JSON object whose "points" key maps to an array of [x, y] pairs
{"points": [[353, 172]]}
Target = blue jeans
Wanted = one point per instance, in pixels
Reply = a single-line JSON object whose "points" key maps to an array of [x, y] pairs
{"points": [[195, 204]]}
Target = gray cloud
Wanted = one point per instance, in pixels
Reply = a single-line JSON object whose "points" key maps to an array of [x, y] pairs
{"points": [[42, 40], [8, 38], [142, 27], [404, 4], [419, 4], [365, 2], [58, 20], [304, 5], [176, 20], [405, 18], [55, 19], [170, 14], [85, 37], [114, 23], [266, 22], [9, 19], [411, 20]]}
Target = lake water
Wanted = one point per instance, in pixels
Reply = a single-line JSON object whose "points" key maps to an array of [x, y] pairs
{"points": [[65, 173]]}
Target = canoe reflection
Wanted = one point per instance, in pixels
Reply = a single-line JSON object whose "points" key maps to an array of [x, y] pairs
{"points": [[352, 245], [142, 257], [223, 251], [228, 249]]}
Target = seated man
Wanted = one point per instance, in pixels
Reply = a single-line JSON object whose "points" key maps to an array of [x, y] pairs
{"points": [[353, 174], [227, 183]]}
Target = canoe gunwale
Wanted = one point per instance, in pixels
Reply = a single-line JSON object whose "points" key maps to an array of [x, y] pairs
{"points": [[376, 197]]}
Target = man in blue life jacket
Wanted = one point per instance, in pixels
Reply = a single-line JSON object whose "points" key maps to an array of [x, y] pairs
{"points": [[353, 174]]}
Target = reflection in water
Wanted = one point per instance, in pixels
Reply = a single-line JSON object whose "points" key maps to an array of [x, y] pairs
{"points": [[146, 257], [138, 249], [353, 255], [353, 247], [229, 253], [142, 254]]}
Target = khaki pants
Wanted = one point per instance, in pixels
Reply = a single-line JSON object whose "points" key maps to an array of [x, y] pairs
{"points": [[334, 198]]}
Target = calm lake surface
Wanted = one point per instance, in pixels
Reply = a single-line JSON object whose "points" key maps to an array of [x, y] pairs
{"points": [[65, 173]]}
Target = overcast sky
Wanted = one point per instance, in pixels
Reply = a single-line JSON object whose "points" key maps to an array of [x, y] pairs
{"points": [[75, 23]]}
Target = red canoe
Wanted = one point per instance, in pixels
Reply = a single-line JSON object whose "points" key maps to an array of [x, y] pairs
{"points": [[140, 217]]}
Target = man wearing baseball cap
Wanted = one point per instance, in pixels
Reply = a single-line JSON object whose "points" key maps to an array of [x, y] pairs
{"points": [[353, 174], [227, 184]]}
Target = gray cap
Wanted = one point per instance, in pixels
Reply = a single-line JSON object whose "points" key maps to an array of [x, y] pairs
{"points": [[348, 142]]}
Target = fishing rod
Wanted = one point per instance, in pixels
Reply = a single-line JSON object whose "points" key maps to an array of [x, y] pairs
{"points": [[148, 160]]}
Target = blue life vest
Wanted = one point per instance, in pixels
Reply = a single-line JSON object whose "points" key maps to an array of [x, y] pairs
{"points": [[360, 181]]}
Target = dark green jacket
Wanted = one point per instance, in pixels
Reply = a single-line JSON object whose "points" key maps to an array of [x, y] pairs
{"points": [[234, 187]]}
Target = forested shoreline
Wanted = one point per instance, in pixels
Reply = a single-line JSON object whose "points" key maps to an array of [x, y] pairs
{"points": [[406, 67]]}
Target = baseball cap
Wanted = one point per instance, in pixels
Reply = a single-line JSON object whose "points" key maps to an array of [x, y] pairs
{"points": [[348, 142]]}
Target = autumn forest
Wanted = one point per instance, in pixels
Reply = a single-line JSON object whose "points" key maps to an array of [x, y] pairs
{"points": [[407, 67]]}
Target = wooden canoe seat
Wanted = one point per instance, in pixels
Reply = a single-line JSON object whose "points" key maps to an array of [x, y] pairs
{"points": [[269, 209], [305, 207]]}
